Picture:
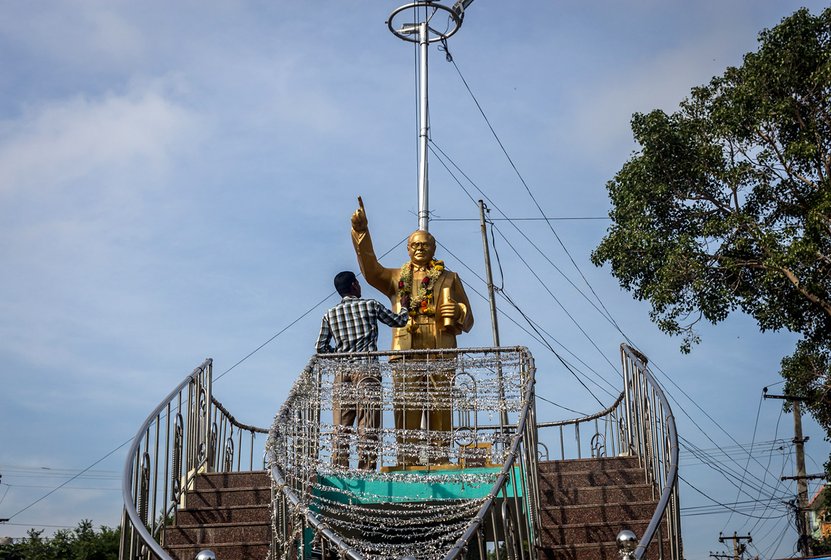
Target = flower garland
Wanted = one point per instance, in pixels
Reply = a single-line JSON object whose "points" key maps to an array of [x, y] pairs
{"points": [[419, 301]]}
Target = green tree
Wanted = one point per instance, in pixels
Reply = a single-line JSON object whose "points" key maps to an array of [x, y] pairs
{"points": [[81, 543], [727, 204]]}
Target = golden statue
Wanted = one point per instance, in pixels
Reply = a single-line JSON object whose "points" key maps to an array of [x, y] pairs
{"points": [[439, 310]]}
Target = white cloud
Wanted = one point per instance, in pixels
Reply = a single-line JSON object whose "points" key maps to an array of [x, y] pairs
{"points": [[80, 181], [56, 143]]}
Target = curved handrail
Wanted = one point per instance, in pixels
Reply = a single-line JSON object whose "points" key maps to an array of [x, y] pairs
{"points": [[608, 441], [179, 439], [587, 418], [640, 423], [670, 470], [127, 490], [235, 422], [642, 415]]}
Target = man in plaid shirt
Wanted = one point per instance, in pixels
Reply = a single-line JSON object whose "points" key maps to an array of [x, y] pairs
{"points": [[353, 324]]}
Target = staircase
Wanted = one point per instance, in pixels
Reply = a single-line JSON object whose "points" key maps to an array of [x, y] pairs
{"points": [[227, 513], [584, 503], [570, 509]]}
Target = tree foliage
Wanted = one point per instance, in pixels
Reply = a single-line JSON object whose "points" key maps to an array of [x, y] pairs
{"points": [[81, 543], [727, 204]]}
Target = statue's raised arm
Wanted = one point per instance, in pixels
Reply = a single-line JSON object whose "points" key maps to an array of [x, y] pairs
{"points": [[376, 275]]}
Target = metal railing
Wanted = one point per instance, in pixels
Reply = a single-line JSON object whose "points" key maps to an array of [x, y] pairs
{"points": [[327, 505], [650, 431], [189, 432], [639, 423], [599, 433]]}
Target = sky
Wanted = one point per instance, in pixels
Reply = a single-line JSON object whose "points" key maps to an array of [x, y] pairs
{"points": [[176, 182]]}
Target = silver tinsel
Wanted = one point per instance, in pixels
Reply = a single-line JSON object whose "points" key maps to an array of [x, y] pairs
{"points": [[456, 467]]}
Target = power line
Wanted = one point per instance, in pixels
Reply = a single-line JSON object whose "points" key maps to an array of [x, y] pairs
{"points": [[531, 323], [755, 426], [724, 469], [496, 207], [770, 458], [533, 198], [69, 480], [547, 289], [32, 525], [747, 506], [536, 335], [542, 219], [728, 450], [97, 488], [721, 504]]}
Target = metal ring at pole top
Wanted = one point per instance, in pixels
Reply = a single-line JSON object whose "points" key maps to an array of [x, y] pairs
{"points": [[409, 32]]}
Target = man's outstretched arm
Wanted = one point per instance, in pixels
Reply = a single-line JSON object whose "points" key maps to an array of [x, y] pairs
{"points": [[393, 319]]}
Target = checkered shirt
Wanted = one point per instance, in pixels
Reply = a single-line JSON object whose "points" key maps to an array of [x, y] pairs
{"points": [[353, 323]]}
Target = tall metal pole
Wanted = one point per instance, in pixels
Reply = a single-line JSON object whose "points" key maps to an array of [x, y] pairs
{"points": [[419, 32], [423, 193], [503, 414]]}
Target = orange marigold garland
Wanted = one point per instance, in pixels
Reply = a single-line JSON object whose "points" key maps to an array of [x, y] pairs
{"points": [[419, 301]]}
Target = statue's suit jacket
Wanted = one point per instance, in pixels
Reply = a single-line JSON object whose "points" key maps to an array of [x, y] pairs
{"points": [[386, 280]]}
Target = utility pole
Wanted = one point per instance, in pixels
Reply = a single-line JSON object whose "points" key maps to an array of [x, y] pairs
{"points": [[738, 547], [801, 477], [3, 519], [503, 414]]}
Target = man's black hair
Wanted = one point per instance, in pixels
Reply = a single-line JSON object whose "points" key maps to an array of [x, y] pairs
{"points": [[344, 281]]}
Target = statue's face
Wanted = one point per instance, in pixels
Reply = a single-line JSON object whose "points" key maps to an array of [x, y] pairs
{"points": [[421, 247]]}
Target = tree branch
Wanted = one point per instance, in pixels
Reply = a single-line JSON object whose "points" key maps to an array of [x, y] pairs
{"points": [[779, 156], [813, 298], [707, 198], [782, 178]]}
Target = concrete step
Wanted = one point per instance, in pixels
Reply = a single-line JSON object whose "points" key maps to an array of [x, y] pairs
{"points": [[218, 533], [587, 502], [251, 479], [227, 514], [228, 497], [599, 463], [575, 478], [575, 495], [594, 513], [579, 533]]}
